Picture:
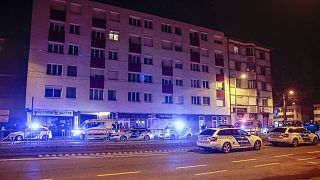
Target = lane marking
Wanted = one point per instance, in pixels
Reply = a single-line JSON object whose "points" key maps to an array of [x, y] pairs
{"points": [[269, 164], [212, 172], [186, 167], [122, 173], [284, 155], [313, 152], [244, 160], [312, 162], [303, 159]]}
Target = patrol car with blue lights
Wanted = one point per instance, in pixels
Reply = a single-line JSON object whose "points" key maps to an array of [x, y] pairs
{"points": [[226, 139], [292, 135]]}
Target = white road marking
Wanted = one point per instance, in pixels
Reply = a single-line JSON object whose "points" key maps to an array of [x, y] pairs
{"points": [[284, 155], [244, 160], [312, 162], [116, 174], [46, 179], [212, 172], [313, 152], [186, 167], [303, 159], [269, 164]]}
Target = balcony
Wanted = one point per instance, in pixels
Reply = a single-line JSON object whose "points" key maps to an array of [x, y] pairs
{"points": [[220, 93], [167, 71], [97, 63], [220, 77], [56, 36], [195, 56], [135, 48], [58, 15], [98, 43], [167, 88], [220, 62], [96, 83], [99, 23], [194, 41], [134, 67]]}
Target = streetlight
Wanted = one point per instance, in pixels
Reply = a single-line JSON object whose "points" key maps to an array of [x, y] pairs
{"points": [[284, 97], [243, 76]]}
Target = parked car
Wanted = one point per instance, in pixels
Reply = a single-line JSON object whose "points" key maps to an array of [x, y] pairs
{"points": [[133, 134], [226, 139], [39, 133], [175, 133], [292, 135]]}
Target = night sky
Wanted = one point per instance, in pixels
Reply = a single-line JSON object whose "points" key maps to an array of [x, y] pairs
{"points": [[290, 27]]}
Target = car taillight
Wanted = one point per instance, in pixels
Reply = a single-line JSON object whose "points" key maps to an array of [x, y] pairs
{"points": [[286, 135], [213, 139]]}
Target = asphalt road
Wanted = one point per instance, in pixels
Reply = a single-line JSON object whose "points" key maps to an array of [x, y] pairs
{"points": [[269, 163]]}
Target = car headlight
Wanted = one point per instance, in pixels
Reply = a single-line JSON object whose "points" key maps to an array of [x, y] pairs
{"points": [[76, 132]]}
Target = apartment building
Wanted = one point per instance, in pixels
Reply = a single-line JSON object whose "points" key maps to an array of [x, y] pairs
{"points": [[293, 113], [250, 81], [316, 112], [89, 59]]}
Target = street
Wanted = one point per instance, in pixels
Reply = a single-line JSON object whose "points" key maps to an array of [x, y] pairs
{"points": [[269, 163]]}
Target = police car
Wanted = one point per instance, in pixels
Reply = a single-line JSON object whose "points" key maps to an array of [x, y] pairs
{"points": [[226, 139], [292, 135]]}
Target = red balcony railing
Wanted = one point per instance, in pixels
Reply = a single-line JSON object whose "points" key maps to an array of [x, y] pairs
{"points": [[134, 67], [167, 88], [99, 23], [135, 48], [57, 36], [58, 15], [219, 62], [97, 62], [96, 83], [167, 71], [220, 93], [98, 43], [195, 57], [219, 77], [195, 41]]}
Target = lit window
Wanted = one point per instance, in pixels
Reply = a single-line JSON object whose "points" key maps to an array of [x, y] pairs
{"points": [[220, 103], [236, 49], [114, 35]]}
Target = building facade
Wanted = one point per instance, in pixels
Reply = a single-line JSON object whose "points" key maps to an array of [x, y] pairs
{"points": [[89, 60], [293, 113], [250, 81], [316, 112]]}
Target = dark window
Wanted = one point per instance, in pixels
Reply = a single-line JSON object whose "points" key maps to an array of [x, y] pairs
{"points": [[147, 97], [208, 132], [263, 70], [135, 22], [148, 24], [54, 69], [73, 50], [223, 133], [55, 48], [112, 96], [249, 51], [147, 79], [166, 28], [238, 66], [217, 42], [96, 94], [177, 31], [113, 55], [54, 92], [148, 60], [204, 37], [74, 29], [72, 71], [234, 132], [71, 92], [263, 86], [261, 55], [281, 130]]}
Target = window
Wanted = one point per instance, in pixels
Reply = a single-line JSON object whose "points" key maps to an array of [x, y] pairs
{"points": [[114, 16], [133, 77], [177, 31], [55, 48], [206, 101], [264, 102], [178, 65], [179, 99], [113, 55], [134, 96], [262, 55], [205, 84], [148, 24], [217, 42], [219, 85], [238, 83], [166, 81], [252, 84], [196, 100], [178, 47], [72, 71], [263, 86], [205, 68], [249, 51], [147, 97], [71, 93], [134, 59], [74, 29], [166, 45], [56, 27], [147, 79], [54, 69], [134, 21], [97, 35], [179, 82], [114, 35], [220, 102], [166, 28], [263, 70], [237, 66], [97, 73], [236, 49], [53, 91], [112, 95], [148, 60], [73, 49], [96, 94], [97, 53], [219, 60], [195, 83], [204, 52], [148, 41], [168, 99], [204, 37], [113, 75], [195, 67]]}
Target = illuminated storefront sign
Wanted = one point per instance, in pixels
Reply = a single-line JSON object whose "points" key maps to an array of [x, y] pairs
{"points": [[48, 112]]}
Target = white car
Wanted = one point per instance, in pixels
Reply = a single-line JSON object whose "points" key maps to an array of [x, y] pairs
{"points": [[134, 134], [292, 135], [226, 139], [174, 133], [94, 129], [30, 133]]}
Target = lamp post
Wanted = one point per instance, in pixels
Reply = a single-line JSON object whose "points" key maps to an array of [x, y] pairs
{"points": [[284, 98], [243, 76]]}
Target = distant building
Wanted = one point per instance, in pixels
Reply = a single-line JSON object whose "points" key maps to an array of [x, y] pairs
{"points": [[293, 113], [316, 112]]}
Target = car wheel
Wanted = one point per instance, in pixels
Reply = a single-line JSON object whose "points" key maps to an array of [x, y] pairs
{"points": [[295, 142], [274, 143], [18, 138], [45, 138], [172, 137], [226, 148], [189, 136], [257, 145], [147, 138], [123, 138], [315, 141]]}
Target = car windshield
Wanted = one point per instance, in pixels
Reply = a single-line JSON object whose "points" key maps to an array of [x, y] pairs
{"points": [[209, 132], [281, 130]]}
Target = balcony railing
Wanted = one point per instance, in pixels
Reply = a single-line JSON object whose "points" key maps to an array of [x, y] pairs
{"points": [[219, 77], [167, 71], [96, 83], [195, 57], [195, 41], [99, 23], [58, 15], [97, 62], [56, 36], [98, 43], [220, 93], [135, 48], [134, 67], [219, 62], [167, 88]]}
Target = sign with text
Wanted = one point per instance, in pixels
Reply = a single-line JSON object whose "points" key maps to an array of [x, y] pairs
{"points": [[49, 112]]}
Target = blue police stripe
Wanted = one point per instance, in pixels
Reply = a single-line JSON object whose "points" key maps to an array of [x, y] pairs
{"points": [[243, 141], [305, 137]]}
